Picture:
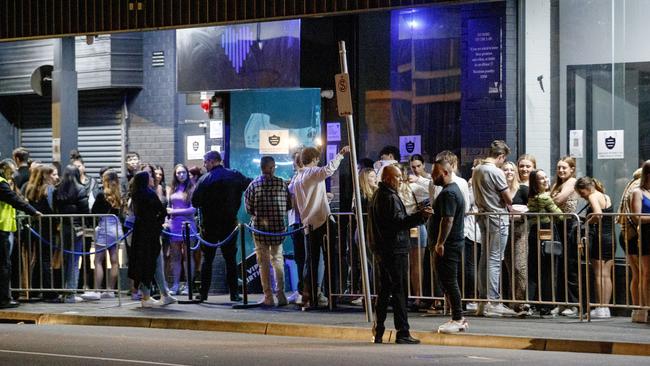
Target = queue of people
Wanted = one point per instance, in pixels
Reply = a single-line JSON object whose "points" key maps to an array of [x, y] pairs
{"points": [[478, 238]]}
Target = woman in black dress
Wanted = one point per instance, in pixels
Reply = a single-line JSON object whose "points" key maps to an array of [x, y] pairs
{"points": [[149, 216]]}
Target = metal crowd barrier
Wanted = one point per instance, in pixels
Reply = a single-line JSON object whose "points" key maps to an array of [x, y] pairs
{"points": [[53, 250], [605, 245], [552, 248]]}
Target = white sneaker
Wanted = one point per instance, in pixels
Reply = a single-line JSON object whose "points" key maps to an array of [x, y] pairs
{"points": [[454, 326], [293, 298], [282, 299], [572, 311], [555, 311], [600, 313], [167, 300], [149, 303], [358, 301], [498, 310], [90, 296], [72, 299], [471, 306], [322, 300], [107, 295], [266, 301]]}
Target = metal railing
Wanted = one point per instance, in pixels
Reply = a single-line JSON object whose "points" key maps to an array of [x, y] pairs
{"points": [[56, 252]]}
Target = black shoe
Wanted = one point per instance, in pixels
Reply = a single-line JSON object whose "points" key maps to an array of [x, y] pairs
{"points": [[407, 340], [377, 334], [235, 298], [9, 304], [201, 298]]}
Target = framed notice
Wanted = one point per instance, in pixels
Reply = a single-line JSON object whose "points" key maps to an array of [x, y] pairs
{"points": [[484, 70], [195, 147], [611, 144]]}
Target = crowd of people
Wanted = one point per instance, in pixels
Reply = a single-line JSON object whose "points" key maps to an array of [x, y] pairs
{"points": [[505, 240]]}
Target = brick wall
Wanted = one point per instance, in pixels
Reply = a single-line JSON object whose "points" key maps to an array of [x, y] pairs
{"points": [[153, 110]]}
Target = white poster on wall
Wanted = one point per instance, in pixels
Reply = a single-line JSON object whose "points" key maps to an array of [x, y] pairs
{"points": [[576, 143], [611, 144], [332, 150], [274, 142], [215, 148], [195, 147], [216, 128], [333, 131], [409, 145]]}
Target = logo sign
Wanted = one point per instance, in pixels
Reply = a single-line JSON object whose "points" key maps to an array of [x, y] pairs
{"points": [[274, 142], [611, 144], [195, 147], [410, 145], [343, 95]]}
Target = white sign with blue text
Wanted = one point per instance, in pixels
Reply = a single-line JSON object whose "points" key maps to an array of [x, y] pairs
{"points": [[410, 145], [611, 144]]}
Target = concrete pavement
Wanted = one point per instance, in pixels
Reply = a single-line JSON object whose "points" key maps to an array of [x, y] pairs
{"points": [[612, 336]]}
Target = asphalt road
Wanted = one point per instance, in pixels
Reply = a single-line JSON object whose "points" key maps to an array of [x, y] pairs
{"points": [[22, 344]]}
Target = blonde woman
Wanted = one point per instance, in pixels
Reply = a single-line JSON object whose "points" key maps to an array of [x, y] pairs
{"points": [[525, 164], [516, 255]]}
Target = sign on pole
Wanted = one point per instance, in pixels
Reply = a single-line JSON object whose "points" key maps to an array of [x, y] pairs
{"points": [[343, 95]]}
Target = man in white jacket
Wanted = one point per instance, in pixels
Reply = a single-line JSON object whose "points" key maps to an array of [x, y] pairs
{"points": [[311, 201]]}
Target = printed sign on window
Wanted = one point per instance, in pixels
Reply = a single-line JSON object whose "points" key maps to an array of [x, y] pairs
{"points": [[274, 142], [195, 147], [611, 144], [409, 145]]}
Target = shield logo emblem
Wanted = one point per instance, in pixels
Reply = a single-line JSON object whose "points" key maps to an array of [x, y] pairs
{"points": [[610, 142], [195, 146], [274, 140], [410, 146]]}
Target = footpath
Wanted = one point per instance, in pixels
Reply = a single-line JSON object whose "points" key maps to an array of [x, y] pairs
{"points": [[617, 335]]}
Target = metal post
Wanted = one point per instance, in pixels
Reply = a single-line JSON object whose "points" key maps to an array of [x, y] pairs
{"points": [[245, 304], [188, 253], [357, 194]]}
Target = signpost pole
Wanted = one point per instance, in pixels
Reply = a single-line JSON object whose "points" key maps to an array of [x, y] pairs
{"points": [[344, 101]]}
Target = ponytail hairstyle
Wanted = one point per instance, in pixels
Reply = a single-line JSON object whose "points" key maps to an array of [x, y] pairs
{"points": [[590, 183]]}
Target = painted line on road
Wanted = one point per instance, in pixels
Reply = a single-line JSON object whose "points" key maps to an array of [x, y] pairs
{"points": [[94, 358]]}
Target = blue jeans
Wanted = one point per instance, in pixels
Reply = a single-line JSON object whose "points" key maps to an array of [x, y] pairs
{"points": [[71, 242], [159, 277], [494, 231], [5, 266]]}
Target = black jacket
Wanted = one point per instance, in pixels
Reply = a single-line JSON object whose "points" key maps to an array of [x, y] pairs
{"points": [[218, 197], [7, 195], [389, 224]]}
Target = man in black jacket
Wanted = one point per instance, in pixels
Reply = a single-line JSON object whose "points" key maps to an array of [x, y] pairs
{"points": [[218, 197], [389, 225]]}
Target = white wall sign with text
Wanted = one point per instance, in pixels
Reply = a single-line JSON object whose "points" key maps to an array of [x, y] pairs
{"points": [[332, 150], [274, 142], [611, 144], [576, 143], [333, 131], [195, 146], [216, 128], [409, 145]]}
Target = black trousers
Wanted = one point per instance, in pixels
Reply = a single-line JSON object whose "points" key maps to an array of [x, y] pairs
{"points": [[315, 243], [298, 239], [542, 273], [229, 251], [447, 268], [468, 289], [5, 266], [393, 281]]}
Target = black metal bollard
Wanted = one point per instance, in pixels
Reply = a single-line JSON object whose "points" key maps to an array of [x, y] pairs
{"points": [[188, 254]]}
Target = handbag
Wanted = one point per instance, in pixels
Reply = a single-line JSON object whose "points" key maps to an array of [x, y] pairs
{"points": [[552, 247]]}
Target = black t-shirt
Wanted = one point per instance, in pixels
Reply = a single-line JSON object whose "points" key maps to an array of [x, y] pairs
{"points": [[450, 203], [521, 197]]}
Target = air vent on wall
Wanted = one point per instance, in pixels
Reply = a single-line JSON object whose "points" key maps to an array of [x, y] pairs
{"points": [[158, 58]]}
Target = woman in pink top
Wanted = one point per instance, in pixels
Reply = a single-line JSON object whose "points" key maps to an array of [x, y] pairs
{"points": [[179, 210]]}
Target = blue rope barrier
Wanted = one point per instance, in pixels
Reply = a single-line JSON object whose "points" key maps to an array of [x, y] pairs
{"points": [[107, 247], [216, 245], [169, 233], [260, 232]]}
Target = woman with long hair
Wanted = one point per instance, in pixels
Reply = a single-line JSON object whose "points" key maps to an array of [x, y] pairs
{"points": [[367, 187], [39, 191], [180, 210], [516, 257], [565, 197], [601, 245], [640, 257], [525, 164], [540, 275], [71, 198], [107, 233], [145, 248]]}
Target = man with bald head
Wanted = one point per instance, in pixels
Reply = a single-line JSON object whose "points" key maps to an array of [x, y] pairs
{"points": [[389, 232]]}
